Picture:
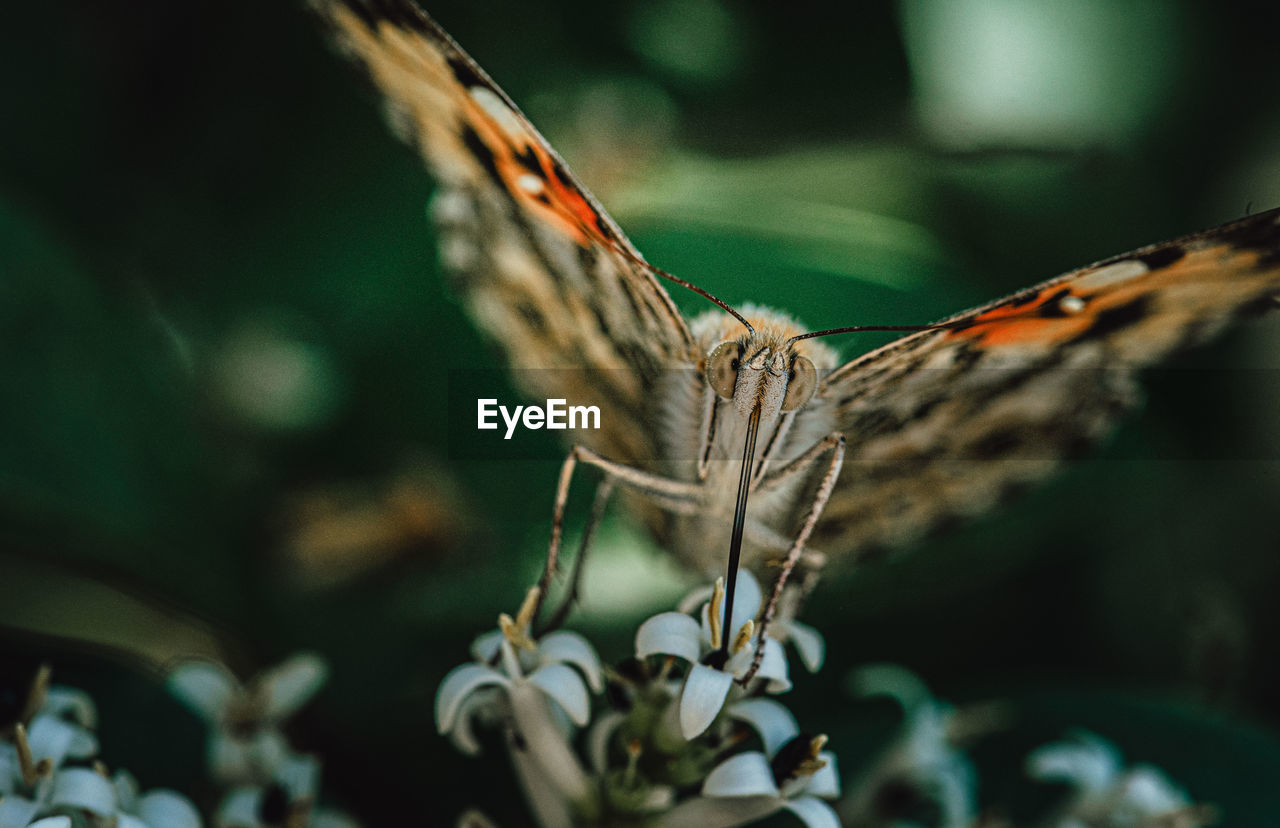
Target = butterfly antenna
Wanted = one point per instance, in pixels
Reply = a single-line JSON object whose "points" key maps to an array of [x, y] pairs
{"points": [[955, 324], [735, 540], [868, 329], [705, 294]]}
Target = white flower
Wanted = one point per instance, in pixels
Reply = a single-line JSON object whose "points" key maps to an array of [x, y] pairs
{"points": [[707, 683], [157, 808], [508, 659], [48, 742], [59, 728], [793, 773], [18, 810], [532, 685], [72, 705], [784, 628], [29, 764], [809, 643], [922, 757], [289, 799], [83, 789], [246, 745], [1106, 793]]}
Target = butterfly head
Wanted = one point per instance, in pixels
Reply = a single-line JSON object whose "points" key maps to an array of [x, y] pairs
{"points": [[762, 370], [755, 375]]}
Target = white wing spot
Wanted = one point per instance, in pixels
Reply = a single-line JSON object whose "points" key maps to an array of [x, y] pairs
{"points": [[506, 118], [400, 120], [1112, 274], [1071, 304], [530, 183], [452, 207], [457, 253]]}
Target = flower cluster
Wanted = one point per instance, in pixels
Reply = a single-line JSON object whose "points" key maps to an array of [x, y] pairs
{"points": [[672, 747], [692, 736], [266, 782], [1107, 794], [50, 776], [923, 769]]}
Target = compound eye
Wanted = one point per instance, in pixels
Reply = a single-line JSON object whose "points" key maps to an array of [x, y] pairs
{"points": [[800, 384], [722, 368]]}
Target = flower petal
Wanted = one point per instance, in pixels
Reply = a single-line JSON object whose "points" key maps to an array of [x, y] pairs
{"points": [[689, 603], [485, 648], [56, 739], [270, 750], [599, 737], [461, 734], [545, 799], [669, 633], [1086, 761], [553, 759], [747, 774], [228, 758], [899, 683], [510, 660], [711, 812], [773, 667], [83, 744], [70, 703], [826, 782], [84, 789], [571, 648], [163, 807], [17, 811], [329, 818], [809, 643], [814, 812], [204, 687], [704, 693], [457, 685], [299, 775], [955, 790], [126, 790], [291, 684], [252, 760], [1147, 791], [770, 719], [563, 683], [239, 808], [746, 606], [747, 598]]}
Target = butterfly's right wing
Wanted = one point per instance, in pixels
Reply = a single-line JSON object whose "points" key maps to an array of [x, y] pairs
{"points": [[943, 424], [542, 268]]}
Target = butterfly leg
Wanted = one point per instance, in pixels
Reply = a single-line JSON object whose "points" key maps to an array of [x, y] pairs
{"points": [[832, 444], [677, 495], [603, 492]]}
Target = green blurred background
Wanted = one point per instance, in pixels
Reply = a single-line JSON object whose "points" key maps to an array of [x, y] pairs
{"points": [[227, 352]]}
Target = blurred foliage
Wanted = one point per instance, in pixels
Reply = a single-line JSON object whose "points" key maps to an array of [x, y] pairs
{"points": [[222, 321]]}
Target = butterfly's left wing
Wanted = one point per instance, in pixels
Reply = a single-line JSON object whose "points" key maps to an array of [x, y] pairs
{"points": [[943, 424], [544, 270]]}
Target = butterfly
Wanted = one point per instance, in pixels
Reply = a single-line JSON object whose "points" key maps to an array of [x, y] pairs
{"points": [[840, 458]]}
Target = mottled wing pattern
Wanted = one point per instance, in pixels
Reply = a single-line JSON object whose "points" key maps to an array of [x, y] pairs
{"points": [[943, 424], [539, 263]]}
